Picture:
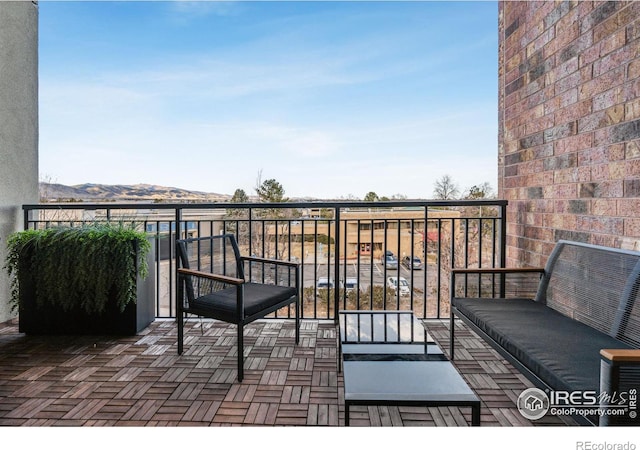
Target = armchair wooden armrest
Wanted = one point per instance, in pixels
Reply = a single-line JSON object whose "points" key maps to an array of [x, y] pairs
{"points": [[211, 276], [498, 270], [619, 373], [270, 261]]}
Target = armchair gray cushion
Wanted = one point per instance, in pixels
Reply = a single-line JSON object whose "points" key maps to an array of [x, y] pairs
{"points": [[221, 305]]}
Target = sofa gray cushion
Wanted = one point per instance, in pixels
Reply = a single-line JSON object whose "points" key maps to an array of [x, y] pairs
{"points": [[561, 351]]}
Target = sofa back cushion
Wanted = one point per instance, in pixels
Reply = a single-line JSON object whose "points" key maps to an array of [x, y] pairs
{"points": [[595, 285]]}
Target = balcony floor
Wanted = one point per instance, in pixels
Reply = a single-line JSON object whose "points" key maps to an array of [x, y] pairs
{"points": [[141, 381]]}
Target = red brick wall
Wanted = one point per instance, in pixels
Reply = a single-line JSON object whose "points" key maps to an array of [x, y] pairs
{"points": [[569, 134]]}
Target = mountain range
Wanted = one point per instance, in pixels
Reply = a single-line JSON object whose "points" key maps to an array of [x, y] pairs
{"points": [[53, 192]]}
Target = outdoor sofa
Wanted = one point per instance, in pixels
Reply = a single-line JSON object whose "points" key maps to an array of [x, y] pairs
{"points": [[571, 327]]}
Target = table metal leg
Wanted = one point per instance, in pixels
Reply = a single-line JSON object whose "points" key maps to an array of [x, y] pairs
{"points": [[475, 415]]}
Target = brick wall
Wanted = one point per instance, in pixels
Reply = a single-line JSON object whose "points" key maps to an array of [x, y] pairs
{"points": [[569, 133]]}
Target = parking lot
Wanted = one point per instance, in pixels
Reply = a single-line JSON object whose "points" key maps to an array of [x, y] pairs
{"points": [[365, 273]]}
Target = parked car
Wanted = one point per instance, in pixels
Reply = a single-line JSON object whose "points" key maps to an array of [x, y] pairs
{"points": [[412, 263], [389, 261], [351, 284], [325, 283], [400, 283]]}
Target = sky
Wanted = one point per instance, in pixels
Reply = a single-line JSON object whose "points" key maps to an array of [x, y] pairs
{"points": [[331, 99]]}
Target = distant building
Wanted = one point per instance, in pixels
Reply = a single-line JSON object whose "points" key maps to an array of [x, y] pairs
{"points": [[371, 231], [399, 230]]}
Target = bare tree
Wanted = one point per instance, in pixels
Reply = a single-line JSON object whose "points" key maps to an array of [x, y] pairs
{"points": [[445, 188], [45, 187], [398, 197], [479, 191]]}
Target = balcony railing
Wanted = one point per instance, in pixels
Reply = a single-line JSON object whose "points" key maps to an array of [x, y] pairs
{"points": [[341, 246]]}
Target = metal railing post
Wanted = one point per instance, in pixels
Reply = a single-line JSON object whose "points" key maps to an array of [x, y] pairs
{"points": [[503, 246], [172, 258], [26, 212], [336, 291]]}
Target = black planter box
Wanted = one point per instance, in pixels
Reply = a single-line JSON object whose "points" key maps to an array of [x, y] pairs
{"points": [[47, 319]]}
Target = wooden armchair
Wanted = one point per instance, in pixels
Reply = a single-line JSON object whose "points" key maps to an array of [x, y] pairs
{"points": [[218, 287]]}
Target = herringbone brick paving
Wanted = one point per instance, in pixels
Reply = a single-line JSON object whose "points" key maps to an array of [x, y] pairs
{"points": [[141, 381]]}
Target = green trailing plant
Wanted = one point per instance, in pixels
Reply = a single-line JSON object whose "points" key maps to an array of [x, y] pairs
{"points": [[78, 267]]}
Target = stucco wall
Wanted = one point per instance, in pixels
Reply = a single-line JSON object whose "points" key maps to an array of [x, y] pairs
{"points": [[569, 137], [18, 123]]}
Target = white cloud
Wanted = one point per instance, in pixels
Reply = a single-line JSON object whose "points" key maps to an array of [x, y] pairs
{"points": [[185, 11], [299, 143]]}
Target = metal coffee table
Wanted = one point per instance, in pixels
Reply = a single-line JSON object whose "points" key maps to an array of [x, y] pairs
{"points": [[388, 358]]}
